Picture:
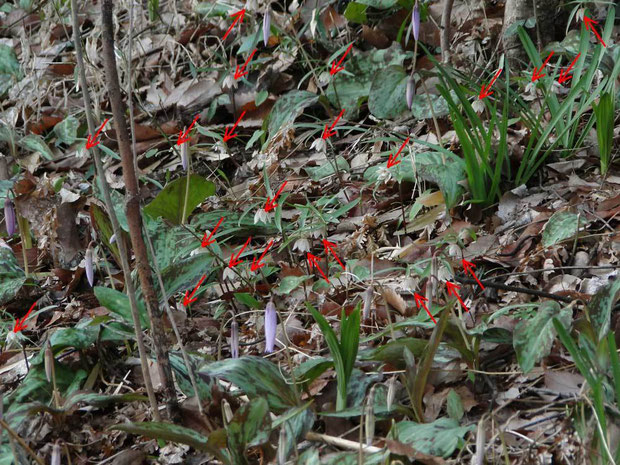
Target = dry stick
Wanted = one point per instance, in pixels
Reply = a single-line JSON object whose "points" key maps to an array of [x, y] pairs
{"points": [[446, 16], [505, 287], [131, 292], [21, 442], [132, 206]]}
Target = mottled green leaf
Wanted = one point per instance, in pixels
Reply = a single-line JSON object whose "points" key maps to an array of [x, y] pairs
{"points": [[257, 377], [167, 432], [356, 13], [78, 337], [439, 438], [250, 426], [561, 226], [601, 306], [12, 276], [170, 202], [289, 283], [327, 168], [288, 107], [66, 130], [388, 93], [533, 337], [36, 143], [118, 304], [454, 406]]}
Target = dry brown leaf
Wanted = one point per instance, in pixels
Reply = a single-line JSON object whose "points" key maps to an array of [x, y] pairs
{"points": [[394, 299]]}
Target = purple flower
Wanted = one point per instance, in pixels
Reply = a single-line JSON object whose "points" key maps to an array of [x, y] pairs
{"points": [[90, 273], [415, 21], [410, 91], [9, 217], [234, 339], [266, 27], [184, 156], [271, 323]]}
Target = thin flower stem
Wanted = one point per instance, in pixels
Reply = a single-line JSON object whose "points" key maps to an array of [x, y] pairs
{"points": [[21, 442]]}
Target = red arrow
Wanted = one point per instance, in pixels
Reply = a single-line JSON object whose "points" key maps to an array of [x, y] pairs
{"points": [[184, 136], [238, 18], [234, 260], [230, 134], [90, 143], [484, 92], [590, 26], [468, 267], [257, 264], [270, 205], [536, 73], [327, 132], [207, 240], [419, 300], [452, 288], [328, 249], [392, 161], [19, 325], [240, 72], [336, 68], [189, 299], [312, 262], [564, 76]]}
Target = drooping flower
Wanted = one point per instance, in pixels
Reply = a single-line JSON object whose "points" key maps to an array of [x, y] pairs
{"points": [[410, 91], [112, 238], [367, 297], [90, 272], [369, 413], [184, 156], [48, 362], [234, 339], [266, 27], [9, 217], [56, 454], [271, 324], [415, 21], [391, 392]]}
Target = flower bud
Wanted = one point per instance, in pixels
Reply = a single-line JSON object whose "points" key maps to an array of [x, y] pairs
{"points": [[55, 454], [48, 362], [184, 160], [226, 412], [282, 445], [9, 217], [271, 324], [415, 21], [367, 302], [112, 238], [90, 273], [266, 27], [234, 339], [391, 393], [369, 413], [410, 91]]}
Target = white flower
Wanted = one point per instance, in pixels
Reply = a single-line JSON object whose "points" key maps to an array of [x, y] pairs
{"points": [[319, 144], [478, 106], [383, 173], [262, 216], [229, 82], [556, 87], [302, 244]]}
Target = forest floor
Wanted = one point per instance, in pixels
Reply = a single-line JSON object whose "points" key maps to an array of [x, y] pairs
{"points": [[334, 244]]}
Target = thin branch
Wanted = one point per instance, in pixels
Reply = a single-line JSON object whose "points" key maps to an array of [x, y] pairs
{"points": [[522, 290], [131, 291], [132, 208]]}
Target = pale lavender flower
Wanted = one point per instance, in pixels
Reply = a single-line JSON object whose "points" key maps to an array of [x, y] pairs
{"points": [[184, 156], [9, 217], [410, 91], [266, 27], [415, 21], [48, 362], [90, 273], [56, 454], [271, 324], [112, 238], [234, 339]]}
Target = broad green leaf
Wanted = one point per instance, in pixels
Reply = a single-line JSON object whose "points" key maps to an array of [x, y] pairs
{"points": [[444, 169], [327, 168], [454, 406], [533, 337], [78, 337], [379, 4], [170, 202], [185, 274], [250, 426], [297, 424], [257, 377], [387, 98], [66, 130], [261, 97], [439, 438], [561, 226], [183, 380], [247, 299], [288, 107], [103, 226], [167, 432], [289, 283], [421, 107], [349, 88], [118, 304], [8, 61], [12, 276], [5, 185], [356, 13], [601, 306], [36, 144]]}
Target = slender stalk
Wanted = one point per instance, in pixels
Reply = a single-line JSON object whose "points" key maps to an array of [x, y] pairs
{"points": [[446, 16], [21, 442], [132, 208], [129, 286]]}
